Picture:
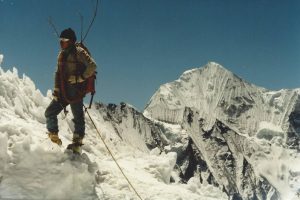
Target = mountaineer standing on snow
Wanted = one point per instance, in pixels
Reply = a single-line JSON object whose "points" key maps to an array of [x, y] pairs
{"points": [[74, 66]]}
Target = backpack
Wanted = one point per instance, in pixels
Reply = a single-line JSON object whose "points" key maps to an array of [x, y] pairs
{"points": [[90, 82]]}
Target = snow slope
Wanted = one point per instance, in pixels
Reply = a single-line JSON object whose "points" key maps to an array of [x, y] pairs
{"points": [[31, 167]]}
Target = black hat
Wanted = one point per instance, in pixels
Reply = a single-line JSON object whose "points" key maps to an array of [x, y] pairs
{"points": [[68, 34]]}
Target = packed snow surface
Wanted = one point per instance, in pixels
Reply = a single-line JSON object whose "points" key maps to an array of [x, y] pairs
{"points": [[31, 167]]}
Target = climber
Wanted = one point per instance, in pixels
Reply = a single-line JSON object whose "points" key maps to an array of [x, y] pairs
{"points": [[74, 67]]}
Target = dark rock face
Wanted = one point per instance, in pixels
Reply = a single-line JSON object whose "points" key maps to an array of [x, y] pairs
{"points": [[195, 165], [293, 134], [125, 119]]}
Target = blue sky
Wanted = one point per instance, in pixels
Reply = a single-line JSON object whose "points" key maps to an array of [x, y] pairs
{"points": [[141, 44]]}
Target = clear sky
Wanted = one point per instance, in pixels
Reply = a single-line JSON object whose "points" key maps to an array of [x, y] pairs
{"points": [[141, 44]]}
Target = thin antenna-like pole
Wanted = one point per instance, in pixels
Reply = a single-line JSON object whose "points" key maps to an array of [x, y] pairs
{"points": [[81, 26], [93, 19], [53, 26]]}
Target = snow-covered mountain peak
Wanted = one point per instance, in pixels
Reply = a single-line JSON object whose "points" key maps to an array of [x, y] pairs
{"points": [[218, 93], [211, 69], [192, 81], [219, 103], [216, 66], [198, 87]]}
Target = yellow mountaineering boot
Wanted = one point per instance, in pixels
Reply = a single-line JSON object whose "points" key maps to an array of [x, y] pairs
{"points": [[54, 138], [76, 144]]}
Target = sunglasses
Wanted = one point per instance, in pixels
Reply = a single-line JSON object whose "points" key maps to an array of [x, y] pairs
{"points": [[64, 39]]}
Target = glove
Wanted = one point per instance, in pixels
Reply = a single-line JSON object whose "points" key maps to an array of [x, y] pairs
{"points": [[56, 94], [75, 79]]}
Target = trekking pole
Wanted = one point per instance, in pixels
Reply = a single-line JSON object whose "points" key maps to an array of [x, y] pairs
{"points": [[86, 110], [91, 101]]}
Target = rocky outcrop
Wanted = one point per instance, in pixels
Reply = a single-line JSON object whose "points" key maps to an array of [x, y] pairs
{"points": [[293, 133], [132, 127]]}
